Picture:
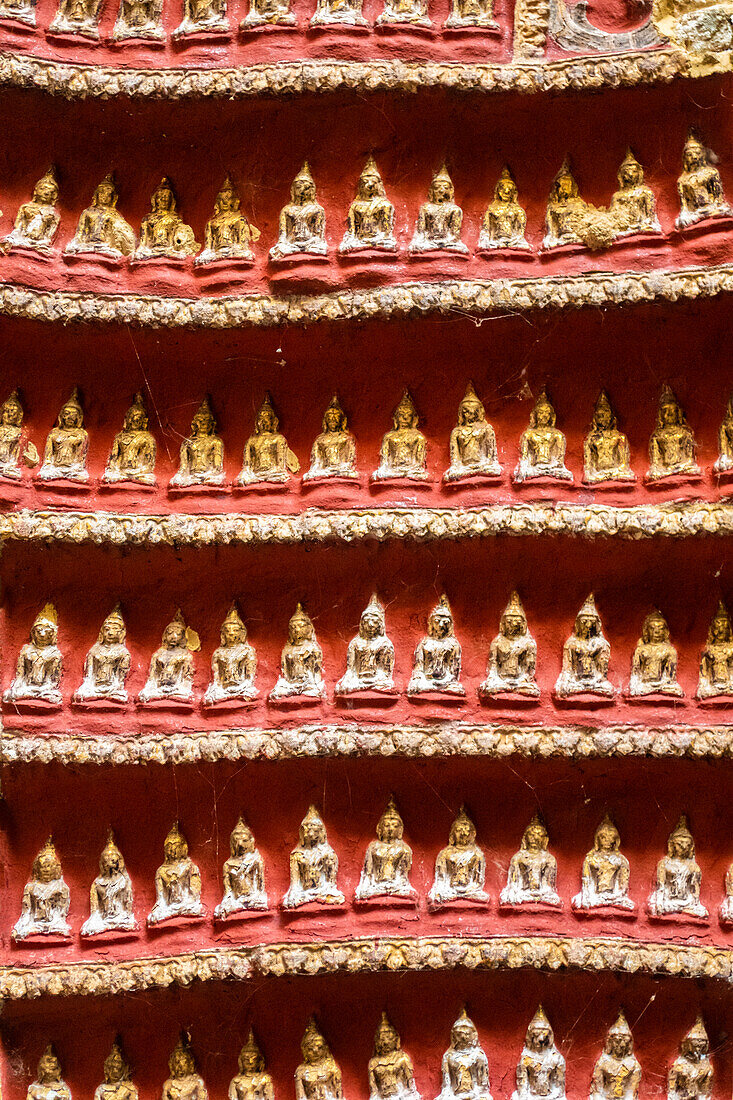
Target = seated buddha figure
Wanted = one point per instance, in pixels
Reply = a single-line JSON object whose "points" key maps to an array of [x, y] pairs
{"points": [[370, 657], [313, 866], [229, 234], [671, 445], [267, 457], [203, 17], [244, 875], [233, 664], [532, 870], [338, 13], [317, 1077], [101, 228], [76, 17], [184, 1082], [139, 19], [724, 461], [412, 13], [171, 666], [49, 1084], [370, 222], [388, 860], [301, 662], [690, 1076], [716, 659], [391, 1075], [542, 446], [107, 663], [440, 219], [302, 226], [472, 442], [404, 449], [252, 1082], [202, 454], [505, 221], [541, 1066], [512, 655], [605, 449], [163, 233], [110, 897], [37, 221], [132, 458], [678, 879], [633, 206], [460, 869], [177, 883], [566, 211], [334, 451], [39, 666], [437, 662], [46, 899], [65, 453], [617, 1073], [14, 444], [585, 657], [117, 1084], [654, 664], [465, 1067], [605, 874], [699, 186]]}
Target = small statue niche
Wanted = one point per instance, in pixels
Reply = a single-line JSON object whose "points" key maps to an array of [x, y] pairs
{"points": [[65, 454], [229, 233], [244, 876], [202, 454], [370, 222], [633, 206], [699, 186], [541, 1066], [585, 657], [391, 1075], [110, 897], [177, 886], [605, 874], [318, 1077], [37, 221], [333, 455], [76, 17], [40, 664], [170, 678], [605, 449], [716, 659], [339, 13], [403, 453], [45, 906], [117, 1084], [691, 1075], [15, 447], [542, 446], [370, 657], [512, 656], [388, 861], [252, 1082], [163, 233], [671, 445], [437, 661], [472, 442], [505, 221], [139, 19], [617, 1073], [301, 662], [101, 229], [465, 1067], [302, 221], [132, 459], [184, 1082], [107, 664], [654, 664], [268, 13], [233, 664], [532, 872], [460, 874], [203, 17], [49, 1084], [313, 871], [440, 219], [724, 461], [267, 458], [678, 879]]}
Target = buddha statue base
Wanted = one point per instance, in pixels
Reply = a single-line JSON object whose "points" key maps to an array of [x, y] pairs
{"points": [[76, 485], [542, 478], [110, 935], [456, 694], [659, 697], [389, 23], [166, 703], [123, 35], [356, 698], [222, 264], [231, 702], [234, 916], [509, 697], [471, 24], [175, 920], [459, 904], [98, 703], [387, 901], [633, 238], [345, 20], [206, 487], [66, 29], [715, 701], [93, 257], [703, 223], [294, 702], [310, 908], [533, 905], [160, 264], [127, 485], [32, 705], [490, 250], [352, 252], [603, 912], [615, 483], [450, 252], [683, 917], [41, 939], [41, 252], [386, 478], [590, 699], [202, 32], [254, 22], [25, 16], [465, 477], [673, 480]]}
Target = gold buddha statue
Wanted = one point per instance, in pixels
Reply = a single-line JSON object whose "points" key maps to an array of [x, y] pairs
{"points": [[107, 664], [512, 655], [202, 454], [76, 17], [313, 871], [39, 665], [338, 13], [302, 221], [14, 443], [233, 664], [471, 13], [317, 1077], [699, 186], [654, 664], [203, 17], [440, 219], [184, 1082], [606, 451], [110, 898], [117, 1084], [65, 453], [566, 211], [633, 206], [101, 229], [252, 1082], [617, 1073], [334, 451], [542, 446], [132, 459], [460, 869], [691, 1076], [671, 445], [437, 662], [177, 886], [170, 676], [678, 880], [532, 870], [301, 662], [605, 874], [388, 861], [472, 442], [45, 906], [724, 462], [139, 19], [244, 875], [268, 13], [229, 234], [37, 221], [391, 1075], [267, 458], [465, 1067], [370, 656], [412, 13], [505, 221], [585, 657], [49, 1084], [370, 222], [163, 233], [404, 449], [716, 659], [541, 1066]]}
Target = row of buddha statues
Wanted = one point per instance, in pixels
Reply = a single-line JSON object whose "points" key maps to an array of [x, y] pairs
{"points": [[102, 231], [268, 461], [370, 663], [460, 874]]}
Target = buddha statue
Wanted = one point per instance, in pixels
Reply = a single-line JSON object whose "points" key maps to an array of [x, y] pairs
{"points": [[437, 662], [532, 870], [65, 454], [542, 446], [671, 445], [700, 187], [177, 885], [678, 880], [633, 206], [334, 451], [313, 870], [317, 1077], [117, 1084], [302, 221], [202, 454], [413, 13], [390, 1069], [541, 1066], [654, 664], [14, 444], [338, 13], [370, 223], [440, 219], [388, 860], [163, 233], [465, 1067], [49, 1084], [617, 1073], [132, 459], [566, 211], [229, 234], [110, 897], [203, 17], [171, 667], [505, 221], [301, 663], [724, 461], [370, 656], [76, 17], [184, 1082], [244, 875], [606, 450], [39, 665], [268, 13], [267, 458], [37, 221], [726, 907], [404, 449], [107, 664], [139, 19], [472, 442], [605, 874], [45, 905], [585, 657], [233, 664], [460, 871], [471, 13], [101, 228], [716, 659], [690, 1076], [512, 655], [252, 1082]]}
